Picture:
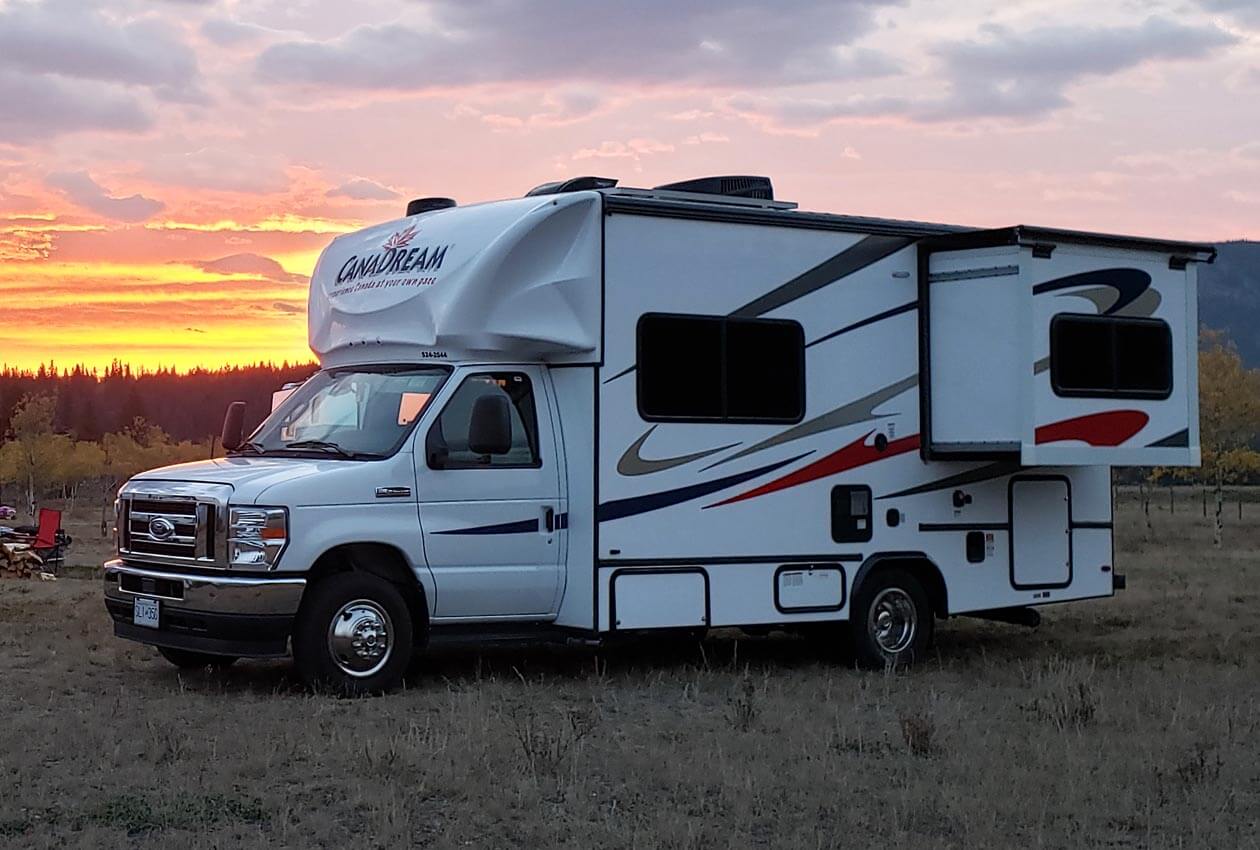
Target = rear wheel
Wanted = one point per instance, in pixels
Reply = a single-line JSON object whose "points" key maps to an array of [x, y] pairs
{"points": [[353, 635], [186, 659], [891, 620]]}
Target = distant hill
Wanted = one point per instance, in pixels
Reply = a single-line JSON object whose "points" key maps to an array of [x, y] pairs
{"points": [[1229, 296]]}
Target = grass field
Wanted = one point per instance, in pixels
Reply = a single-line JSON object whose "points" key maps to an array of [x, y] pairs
{"points": [[1132, 722]]}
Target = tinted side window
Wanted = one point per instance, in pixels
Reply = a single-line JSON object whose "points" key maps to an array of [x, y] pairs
{"points": [[447, 441], [765, 370], [717, 369], [680, 367], [1101, 356]]}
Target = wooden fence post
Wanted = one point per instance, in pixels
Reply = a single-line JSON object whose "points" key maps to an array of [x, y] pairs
{"points": [[1220, 503], [1172, 503]]}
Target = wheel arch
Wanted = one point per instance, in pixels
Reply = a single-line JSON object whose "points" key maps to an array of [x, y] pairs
{"points": [[917, 564], [383, 560]]}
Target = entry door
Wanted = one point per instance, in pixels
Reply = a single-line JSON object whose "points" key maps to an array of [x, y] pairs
{"points": [[1041, 533], [493, 524]]}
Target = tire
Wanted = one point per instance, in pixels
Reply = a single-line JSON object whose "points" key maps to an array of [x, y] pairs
{"points": [[891, 621], [353, 635], [186, 659]]}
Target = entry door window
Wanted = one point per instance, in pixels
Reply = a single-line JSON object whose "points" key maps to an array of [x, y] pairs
{"points": [[450, 432]]}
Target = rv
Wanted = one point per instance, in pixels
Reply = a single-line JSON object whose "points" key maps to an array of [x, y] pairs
{"points": [[597, 412]]}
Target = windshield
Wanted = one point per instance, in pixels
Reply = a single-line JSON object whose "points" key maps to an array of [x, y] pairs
{"points": [[365, 411]]}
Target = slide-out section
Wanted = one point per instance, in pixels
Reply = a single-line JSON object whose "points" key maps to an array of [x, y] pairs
{"points": [[1058, 348]]}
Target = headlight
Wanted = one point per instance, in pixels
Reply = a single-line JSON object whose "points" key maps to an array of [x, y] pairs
{"points": [[256, 536]]}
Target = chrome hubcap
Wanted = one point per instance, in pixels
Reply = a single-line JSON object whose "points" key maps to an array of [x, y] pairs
{"points": [[360, 638], [893, 620]]}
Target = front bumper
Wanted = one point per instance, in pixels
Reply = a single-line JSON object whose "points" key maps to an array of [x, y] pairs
{"points": [[248, 616]]}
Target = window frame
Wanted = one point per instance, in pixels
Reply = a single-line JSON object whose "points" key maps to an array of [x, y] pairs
{"points": [[532, 434], [722, 418], [1113, 323]]}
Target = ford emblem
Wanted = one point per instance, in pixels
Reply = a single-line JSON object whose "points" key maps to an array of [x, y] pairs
{"points": [[161, 528]]}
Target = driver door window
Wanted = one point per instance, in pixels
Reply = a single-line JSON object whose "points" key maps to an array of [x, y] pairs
{"points": [[447, 442]]}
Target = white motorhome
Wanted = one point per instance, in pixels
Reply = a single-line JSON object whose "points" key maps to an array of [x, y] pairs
{"points": [[599, 411]]}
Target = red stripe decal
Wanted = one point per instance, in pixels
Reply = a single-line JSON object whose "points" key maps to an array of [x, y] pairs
{"points": [[855, 454], [1098, 429]]}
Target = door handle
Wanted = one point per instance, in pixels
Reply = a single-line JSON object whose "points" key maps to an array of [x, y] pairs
{"points": [[549, 519]]}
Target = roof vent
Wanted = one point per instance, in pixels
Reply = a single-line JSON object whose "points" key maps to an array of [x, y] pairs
{"points": [[423, 205], [575, 184], [733, 186]]}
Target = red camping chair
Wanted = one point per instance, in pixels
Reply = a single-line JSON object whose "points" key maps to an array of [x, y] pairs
{"points": [[49, 541]]}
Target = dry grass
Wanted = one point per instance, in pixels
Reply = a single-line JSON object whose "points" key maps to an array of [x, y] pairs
{"points": [[1133, 722]]}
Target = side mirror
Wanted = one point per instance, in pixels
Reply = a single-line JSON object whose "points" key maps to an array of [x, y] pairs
{"points": [[490, 428], [233, 426]]}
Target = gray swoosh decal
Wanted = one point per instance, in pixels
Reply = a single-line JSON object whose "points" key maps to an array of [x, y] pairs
{"points": [[862, 410], [858, 256], [632, 463], [1144, 306], [1106, 297]]}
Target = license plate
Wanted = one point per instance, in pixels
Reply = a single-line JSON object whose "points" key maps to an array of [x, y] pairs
{"points": [[144, 612]]}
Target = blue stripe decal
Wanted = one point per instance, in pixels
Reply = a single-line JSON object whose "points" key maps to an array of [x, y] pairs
{"points": [[621, 508], [524, 526], [870, 320]]}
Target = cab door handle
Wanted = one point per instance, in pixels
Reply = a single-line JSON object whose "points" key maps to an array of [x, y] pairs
{"points": [[549, 519]]}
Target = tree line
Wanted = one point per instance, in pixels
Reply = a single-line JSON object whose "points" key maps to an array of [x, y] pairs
{"points": [[77, 432], [185, 405]]}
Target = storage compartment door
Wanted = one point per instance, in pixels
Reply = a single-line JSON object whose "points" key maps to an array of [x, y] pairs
{"points": [[659, 598], [1041, 533]]}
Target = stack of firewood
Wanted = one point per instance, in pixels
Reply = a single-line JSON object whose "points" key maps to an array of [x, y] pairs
{"points": [[20, 562]]}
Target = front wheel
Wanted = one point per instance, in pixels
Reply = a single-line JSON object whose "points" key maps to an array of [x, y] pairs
{"points": [[891, 621], [353, 635]]}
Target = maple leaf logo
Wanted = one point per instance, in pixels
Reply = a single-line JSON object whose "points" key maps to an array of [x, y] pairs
{"points": [[400, 239]]}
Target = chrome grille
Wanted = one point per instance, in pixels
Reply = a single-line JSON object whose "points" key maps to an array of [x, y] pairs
{"points": [[169, 528]]}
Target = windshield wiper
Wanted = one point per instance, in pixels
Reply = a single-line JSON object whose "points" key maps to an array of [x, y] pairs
{"points": [[327, 446], [248, 446]]}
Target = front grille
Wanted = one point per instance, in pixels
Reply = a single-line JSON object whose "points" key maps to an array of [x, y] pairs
{"points": [[168, 528]]}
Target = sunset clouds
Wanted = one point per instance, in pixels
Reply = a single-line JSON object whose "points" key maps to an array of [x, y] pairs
{"points": [[170, 169]]}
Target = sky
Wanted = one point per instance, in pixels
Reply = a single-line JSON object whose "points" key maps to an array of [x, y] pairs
{"points": [[170, 169]]}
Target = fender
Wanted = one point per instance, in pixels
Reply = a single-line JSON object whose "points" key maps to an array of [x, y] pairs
{"points": [[869, 565]]}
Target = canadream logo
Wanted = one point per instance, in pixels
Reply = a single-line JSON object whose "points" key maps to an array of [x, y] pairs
{"points": [[395, 257], [401, 239]]}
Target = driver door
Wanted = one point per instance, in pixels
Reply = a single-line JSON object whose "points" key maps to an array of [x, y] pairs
{"points": [[493, 525]]}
